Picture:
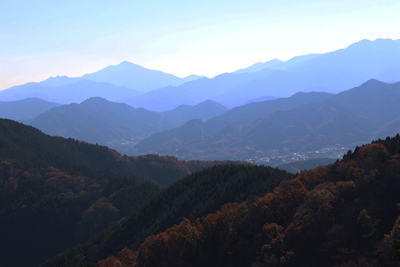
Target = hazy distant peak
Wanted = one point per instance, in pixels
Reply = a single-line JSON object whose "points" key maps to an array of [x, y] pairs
{"points": [[372, 82], [124, 65], [96, 99], [211, 103]]}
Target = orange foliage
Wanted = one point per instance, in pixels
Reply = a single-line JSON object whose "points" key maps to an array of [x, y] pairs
{"points": [[312, 177], [375, 151]]}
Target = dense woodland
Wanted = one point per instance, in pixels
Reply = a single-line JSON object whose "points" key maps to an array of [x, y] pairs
{"points": [[45, 210], [344, 215], [25, 143], [195, 196], [65, 202], [56, 193]]}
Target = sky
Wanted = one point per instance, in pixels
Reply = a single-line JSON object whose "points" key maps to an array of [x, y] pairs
{"points": [[40, 39]]}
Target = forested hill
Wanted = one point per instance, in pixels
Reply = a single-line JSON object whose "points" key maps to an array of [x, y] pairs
{"points": [[345, 215], [56, 193], [194, 196], [45, 210], [25, 143]]}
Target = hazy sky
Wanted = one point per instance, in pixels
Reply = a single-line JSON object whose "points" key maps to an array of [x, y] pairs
{"points": [[41, 38]]}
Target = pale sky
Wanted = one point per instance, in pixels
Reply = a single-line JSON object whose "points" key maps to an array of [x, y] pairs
{"points": [[41, 38]]}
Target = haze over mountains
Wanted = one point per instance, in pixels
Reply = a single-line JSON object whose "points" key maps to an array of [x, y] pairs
{"points": [[97, 120], [346, 119], [331, 72], [139, 130], [195, 110], [24, 109]]}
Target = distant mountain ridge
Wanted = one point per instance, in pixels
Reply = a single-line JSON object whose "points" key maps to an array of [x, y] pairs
{"points": [[348, 118], [331, 72], [276, 64], [197, 131], [75, 92], [124, 80], [97, 120], [136, 77], [25, 109], [117, 125]]}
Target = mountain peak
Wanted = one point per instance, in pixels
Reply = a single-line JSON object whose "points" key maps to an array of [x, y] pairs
{"points": [[372, 82], [210, 103]]}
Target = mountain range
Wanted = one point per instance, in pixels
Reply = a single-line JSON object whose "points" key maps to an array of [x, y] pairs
{"points": [[346, 119], [157, 91], [56, 193], [344, 214], [85, 202], [118, 125], [331, 72], [25, 109]]}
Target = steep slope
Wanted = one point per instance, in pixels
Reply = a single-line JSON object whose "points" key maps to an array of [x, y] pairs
{"points": [[203, 111], [24, 109], [192, 197], [97, 120], [45, 210], [343, 215], [25, 143]]}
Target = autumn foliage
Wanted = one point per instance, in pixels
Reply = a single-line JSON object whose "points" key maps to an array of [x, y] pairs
{"points": [[345, 215]]}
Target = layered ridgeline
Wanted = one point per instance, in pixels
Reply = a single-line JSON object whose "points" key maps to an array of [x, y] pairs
{"points": [[27, 144], [97, 120], [56, 193], [299, 124], [331, 72], [343, 215], [24, 109], [68, 93], [194, 196], [117, 125], [114, 83]]}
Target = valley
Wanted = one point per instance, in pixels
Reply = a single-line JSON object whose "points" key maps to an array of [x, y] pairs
{"points": [[282, 163]]}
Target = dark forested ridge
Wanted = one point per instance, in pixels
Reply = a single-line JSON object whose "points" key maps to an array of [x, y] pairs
{"points": [[194, 196], [25, 143], [56, 193], [97, 120], [298, 166], [45, 210], [344, 215]]}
